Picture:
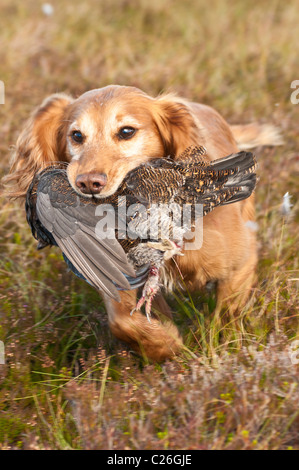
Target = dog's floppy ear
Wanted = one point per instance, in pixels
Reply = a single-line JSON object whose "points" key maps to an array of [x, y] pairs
{"points": [[176, 123], [41, 142]]}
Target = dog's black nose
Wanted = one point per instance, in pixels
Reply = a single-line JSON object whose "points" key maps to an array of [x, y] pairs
{"points": [[91, 183]]}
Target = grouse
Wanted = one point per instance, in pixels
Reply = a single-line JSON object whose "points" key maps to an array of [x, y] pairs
{"points": [[122, 241]]}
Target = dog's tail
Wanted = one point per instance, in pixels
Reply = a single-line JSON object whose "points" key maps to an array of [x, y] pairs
{"points": [[253, 135]]}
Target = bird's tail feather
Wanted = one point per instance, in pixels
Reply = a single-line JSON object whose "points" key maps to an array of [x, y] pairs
{"points": [[244, 191], [234, 180], [242, 161], [244, 178]]}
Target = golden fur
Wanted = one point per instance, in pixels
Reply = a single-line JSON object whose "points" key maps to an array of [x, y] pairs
{"points": [[166, 125]]}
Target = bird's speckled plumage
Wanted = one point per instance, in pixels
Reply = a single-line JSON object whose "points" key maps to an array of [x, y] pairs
{"points": [[57, 215]]}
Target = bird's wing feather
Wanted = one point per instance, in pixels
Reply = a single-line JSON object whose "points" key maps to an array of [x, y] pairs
{"points": [[88, 269], [102, 262]]}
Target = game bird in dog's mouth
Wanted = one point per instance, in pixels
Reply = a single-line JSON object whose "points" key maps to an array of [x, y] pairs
{"points": [[121, 242]]}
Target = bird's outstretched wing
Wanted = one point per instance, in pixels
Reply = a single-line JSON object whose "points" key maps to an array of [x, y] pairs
{"points": [[72, 224]]}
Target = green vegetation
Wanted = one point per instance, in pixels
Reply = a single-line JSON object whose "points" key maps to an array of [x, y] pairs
{"points": [[67, 382]]}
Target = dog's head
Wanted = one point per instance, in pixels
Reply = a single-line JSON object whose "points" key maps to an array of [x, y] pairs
{"points": [[103, 135]]}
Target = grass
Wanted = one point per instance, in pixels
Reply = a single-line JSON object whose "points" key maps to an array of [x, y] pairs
{"points": [[67, 383]]}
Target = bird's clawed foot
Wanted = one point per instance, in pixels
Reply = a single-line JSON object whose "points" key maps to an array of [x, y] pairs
{"points": [[150, 289]]}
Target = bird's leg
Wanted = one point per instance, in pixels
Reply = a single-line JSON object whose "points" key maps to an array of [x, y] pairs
{"points": [[150, 289], [157, 253]]}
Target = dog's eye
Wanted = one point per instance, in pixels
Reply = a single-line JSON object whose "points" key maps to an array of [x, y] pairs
{"points": [[126, 132], [77, 137]]}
